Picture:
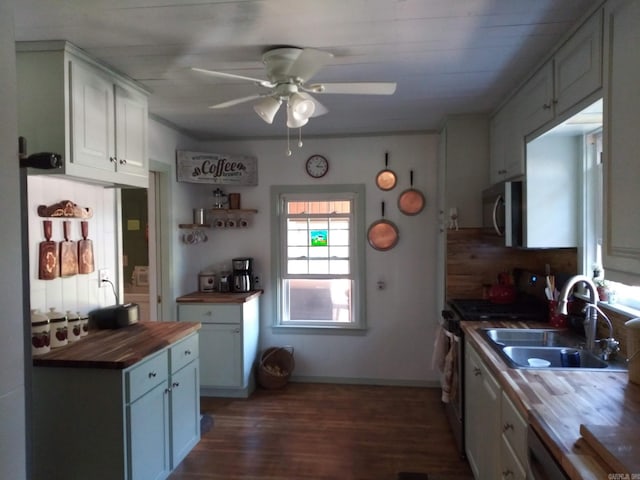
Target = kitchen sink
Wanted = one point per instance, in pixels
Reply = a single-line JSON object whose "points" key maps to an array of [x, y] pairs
{"points": [[545, 348], [531, 337], [551, 357]]}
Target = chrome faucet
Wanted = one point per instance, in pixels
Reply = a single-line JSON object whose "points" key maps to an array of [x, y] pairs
{"points": [[608, 346]]}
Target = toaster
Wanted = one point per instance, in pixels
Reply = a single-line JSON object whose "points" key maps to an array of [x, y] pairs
{"points": [[115, 316]]}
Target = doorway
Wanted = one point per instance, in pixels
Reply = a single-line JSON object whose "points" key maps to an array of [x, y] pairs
{"points": [[135, 248]]}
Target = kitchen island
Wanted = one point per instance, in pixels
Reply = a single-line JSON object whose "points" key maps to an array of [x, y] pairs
{"points": [[117, 404], [555, 403]]}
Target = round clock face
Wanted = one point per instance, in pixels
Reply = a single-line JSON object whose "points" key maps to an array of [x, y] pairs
{"points": [[317, 166]]}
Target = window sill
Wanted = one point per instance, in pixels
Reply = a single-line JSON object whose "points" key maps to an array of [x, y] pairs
{"points": [[616, 307], [320, 329]]}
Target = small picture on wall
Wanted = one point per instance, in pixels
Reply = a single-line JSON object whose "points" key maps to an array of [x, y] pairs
{"points": [[318, 238]]}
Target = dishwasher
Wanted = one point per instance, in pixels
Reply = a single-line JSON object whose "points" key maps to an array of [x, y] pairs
{"points": [[542, 465]]}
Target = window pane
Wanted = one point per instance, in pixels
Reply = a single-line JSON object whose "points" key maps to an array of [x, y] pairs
{"points": [[342, 252], [297, 267], [339, 267], [295, 252], [319, 300], [318, 266]]}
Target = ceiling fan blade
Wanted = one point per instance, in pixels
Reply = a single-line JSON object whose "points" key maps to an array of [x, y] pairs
{"points": [[320, 109], [258, 81], [236, 101], [308, 63], [356, 88]]}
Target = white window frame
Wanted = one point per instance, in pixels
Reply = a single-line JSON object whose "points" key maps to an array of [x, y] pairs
{"points": [[355, 192], [627, 297]]}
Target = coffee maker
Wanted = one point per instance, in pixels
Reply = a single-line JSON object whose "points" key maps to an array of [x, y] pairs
{"points": [[242, 278]]}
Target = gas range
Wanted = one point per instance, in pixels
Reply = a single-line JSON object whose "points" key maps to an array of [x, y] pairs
{"points": [[524, 309]]}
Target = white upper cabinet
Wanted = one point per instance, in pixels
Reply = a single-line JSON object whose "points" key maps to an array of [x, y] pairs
{"points": [[569, 77], [95, 118], [92, 117], [506, 145], [621, 253]]}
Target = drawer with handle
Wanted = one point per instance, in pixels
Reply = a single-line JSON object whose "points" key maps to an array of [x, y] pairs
{"points": [[183, 352], [514, 429], [210, 313], [144, 376]]}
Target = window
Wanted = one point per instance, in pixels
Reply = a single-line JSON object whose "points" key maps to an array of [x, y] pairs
{"points": [[318, 261]]}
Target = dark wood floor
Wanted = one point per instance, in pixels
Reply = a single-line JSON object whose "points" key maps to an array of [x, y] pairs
{"points": [[322, 432]]}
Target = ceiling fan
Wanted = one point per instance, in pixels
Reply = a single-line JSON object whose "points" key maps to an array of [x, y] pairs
{"points": [[288, 69]]}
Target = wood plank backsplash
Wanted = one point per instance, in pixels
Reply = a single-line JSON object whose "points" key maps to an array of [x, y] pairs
{"points": [[474, 259]]}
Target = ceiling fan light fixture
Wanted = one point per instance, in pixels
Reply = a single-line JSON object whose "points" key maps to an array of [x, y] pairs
{"points": [[300, 106], [267, 108], [295, 121]]}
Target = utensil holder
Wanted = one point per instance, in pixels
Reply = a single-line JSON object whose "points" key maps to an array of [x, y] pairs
{"points": [[556, 320]]}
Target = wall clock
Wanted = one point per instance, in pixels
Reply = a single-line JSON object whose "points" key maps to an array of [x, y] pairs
{"points": [[317, 166]]}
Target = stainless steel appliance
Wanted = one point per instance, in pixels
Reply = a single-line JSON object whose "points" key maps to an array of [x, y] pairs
{"points": [[503, 211], [542, 465], [526, 308], [242, 278]]}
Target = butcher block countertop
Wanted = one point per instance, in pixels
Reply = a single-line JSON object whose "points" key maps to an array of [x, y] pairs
{"points": [[558, 403], [117, 349], [218, 297]]}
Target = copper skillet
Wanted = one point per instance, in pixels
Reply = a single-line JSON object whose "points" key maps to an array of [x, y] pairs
{"points": [[383, 234], [411, 201], [386, 179]]}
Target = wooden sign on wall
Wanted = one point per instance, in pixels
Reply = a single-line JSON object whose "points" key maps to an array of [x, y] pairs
{"points": [[217, 168]]}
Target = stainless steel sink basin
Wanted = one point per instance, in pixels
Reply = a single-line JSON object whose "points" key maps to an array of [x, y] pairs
{"points": [[541, 337], [542, 348], [551, 357]]}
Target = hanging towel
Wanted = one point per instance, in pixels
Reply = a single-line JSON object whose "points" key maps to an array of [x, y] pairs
{"points": [[450, 383], [440, 347]]}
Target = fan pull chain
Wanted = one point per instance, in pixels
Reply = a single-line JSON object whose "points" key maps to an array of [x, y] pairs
{"points": [[288, 145], [300, 137]]}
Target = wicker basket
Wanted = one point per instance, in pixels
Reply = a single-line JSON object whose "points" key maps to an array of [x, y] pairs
{"points": [[275, 367]]}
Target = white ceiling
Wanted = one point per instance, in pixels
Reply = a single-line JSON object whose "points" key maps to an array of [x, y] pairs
{"points": [[447, 56]]}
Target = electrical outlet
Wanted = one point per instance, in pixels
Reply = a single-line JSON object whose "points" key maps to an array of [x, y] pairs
{"points": [[104, 277], [256, 281]]}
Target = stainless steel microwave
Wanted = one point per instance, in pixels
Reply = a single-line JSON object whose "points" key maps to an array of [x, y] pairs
{"points": [[503, 212]]}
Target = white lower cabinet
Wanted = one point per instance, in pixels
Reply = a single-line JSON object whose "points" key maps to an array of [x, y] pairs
{"points": [[228, 345], [148, 431], [482, 417], [495, 432], [111, 424]]}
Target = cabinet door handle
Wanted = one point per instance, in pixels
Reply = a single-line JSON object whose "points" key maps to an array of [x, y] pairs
{"points": [[209, 313], [507, 473], [123, 161], [237, 330], [152, 374], [187, 352], [507, 426], [167, 390], [113, 159], [477, 371], [175, 385], [546, 106]]}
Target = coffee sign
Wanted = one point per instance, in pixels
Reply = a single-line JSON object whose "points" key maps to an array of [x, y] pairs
{"points": [[218, 168]]}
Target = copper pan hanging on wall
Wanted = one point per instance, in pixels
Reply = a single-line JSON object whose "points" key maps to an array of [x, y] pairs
{"points": [[411, 201], [383, 234], [386, 179]]}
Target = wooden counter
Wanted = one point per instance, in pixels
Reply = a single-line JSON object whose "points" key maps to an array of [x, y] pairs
{"points": [[117, 349], [217, 297], [557, 402]]}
